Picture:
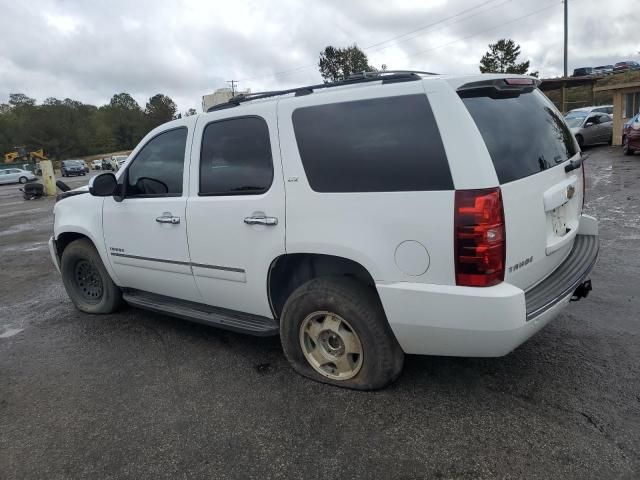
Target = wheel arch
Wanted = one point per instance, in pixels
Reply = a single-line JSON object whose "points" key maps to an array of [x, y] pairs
{"points": [[289, 271]]}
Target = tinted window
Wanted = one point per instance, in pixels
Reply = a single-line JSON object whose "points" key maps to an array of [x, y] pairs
{"points": [[236, 157], [375, 145], [524, 135], [158, 167]]}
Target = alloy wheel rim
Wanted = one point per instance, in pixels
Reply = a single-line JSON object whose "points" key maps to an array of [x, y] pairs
{"points": [[88, 281], [331, 345]]}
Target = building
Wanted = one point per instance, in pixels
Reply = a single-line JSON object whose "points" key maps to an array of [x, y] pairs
{"points": [[626, 103], [221, 95]]}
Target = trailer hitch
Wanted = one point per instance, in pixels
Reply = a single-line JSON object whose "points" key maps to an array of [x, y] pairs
{"points": [[582, 291]]}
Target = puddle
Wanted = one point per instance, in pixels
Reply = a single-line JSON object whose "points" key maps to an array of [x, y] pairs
{"points": [[10, 332]]}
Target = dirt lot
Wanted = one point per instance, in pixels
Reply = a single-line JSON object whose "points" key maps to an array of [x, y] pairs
{"points": [[140, 395]]}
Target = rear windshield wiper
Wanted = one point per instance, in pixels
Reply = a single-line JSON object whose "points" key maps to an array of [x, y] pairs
{"points": [[575, 163]]}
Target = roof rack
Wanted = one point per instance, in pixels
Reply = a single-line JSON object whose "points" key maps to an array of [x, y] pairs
{"points": [[387, 76]]}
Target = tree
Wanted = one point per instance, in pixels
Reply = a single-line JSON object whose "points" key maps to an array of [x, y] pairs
{"points": [[160, 109], [190, 112], [124, 101], [502, 57], [20, 100], [339, 63]]}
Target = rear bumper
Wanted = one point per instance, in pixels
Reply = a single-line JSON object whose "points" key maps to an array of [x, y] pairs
{"points": [[482, 322]]}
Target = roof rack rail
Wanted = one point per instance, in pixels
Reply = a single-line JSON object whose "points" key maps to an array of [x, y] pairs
{"points": [[386, 76]]}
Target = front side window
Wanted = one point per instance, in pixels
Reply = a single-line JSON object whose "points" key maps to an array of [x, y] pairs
{"points": [[389, 144], [236, 157], [158, 168]]}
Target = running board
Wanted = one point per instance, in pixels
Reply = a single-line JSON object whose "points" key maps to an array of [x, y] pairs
{"points": [[201, 313]]}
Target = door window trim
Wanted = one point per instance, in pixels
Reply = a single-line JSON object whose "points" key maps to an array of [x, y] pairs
{"points": [[234, 194], [124, 178]]}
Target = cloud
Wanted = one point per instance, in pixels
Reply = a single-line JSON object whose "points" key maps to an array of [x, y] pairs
{"points": [[91, 50]]}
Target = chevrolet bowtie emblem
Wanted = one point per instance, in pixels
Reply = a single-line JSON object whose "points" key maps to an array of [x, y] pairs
{"points": [[571, 190]]}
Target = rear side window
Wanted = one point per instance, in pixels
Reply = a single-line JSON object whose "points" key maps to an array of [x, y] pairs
{"points": [[236, 157], [375, 145], [524, 134]]}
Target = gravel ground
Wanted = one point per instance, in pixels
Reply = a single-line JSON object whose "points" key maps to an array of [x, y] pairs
{"points": [[141, 395]]}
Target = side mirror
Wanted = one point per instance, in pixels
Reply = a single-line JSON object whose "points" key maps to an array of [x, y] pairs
{"points": [[588, 124], [103, 185]]}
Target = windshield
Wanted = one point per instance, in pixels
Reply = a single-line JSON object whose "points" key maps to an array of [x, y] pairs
{"points": [[73, 162], [574, 120]]}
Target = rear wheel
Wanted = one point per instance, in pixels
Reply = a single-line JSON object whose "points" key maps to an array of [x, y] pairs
{"points": [[334, 330], [625, 147], [87, 281], [23, 180]]}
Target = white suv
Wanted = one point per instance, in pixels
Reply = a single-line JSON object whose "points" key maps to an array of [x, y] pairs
{"points": [[387, 214]]}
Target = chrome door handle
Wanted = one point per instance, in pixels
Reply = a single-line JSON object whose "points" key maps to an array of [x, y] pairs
{"points": [[166, 217], [270, 221]]}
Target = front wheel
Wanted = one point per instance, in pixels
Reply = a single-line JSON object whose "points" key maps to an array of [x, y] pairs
{"points": [[625, 147], [580, 140], [334, 330], [87, 281], [23, 180]]}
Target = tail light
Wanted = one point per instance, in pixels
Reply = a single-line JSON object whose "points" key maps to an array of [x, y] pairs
{"points": [[480, 243]]}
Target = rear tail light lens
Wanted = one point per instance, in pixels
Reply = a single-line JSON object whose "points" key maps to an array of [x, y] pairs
{"points": [[480, 242]]}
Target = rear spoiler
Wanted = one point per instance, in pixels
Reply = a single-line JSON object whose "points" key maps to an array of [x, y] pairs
{"points": [[499, 87]]}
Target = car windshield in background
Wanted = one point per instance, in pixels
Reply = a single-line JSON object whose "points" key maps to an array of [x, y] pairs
{"points": [[524, 134], [574, 120], [73, 163]]}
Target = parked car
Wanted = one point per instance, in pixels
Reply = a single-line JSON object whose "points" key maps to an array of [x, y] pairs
{"points": [[96, 164], [84, 164], [595, 109], [590, 127], [631, 135], [583, 72], [625, 66], [106, 164], [603, 70], [69, 168], [15, 175], [352, 222], [118, 160]]}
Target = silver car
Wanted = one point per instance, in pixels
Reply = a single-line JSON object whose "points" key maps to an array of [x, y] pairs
{"points": [[590, 127], [16, 175]]}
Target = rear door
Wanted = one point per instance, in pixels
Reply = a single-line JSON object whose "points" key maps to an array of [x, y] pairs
{"points": [[530, 146], [236, 211]]}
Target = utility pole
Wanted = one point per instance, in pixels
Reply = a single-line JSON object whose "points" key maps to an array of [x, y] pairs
{"points": [[566, 36], [233, 84]]}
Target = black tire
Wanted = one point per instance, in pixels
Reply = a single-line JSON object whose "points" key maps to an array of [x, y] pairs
{"points": [[382, 357], [22, 180], [625, 147], [580, 140], [86, 281]]}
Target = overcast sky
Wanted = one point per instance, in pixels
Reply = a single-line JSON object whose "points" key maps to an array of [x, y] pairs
{"points": [[89, 50]]}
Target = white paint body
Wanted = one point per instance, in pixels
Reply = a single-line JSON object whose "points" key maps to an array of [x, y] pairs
{"points": [[403, 239]]}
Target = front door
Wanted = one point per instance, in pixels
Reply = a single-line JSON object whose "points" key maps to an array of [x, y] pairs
{"points": [[146, 233], [236, 210]]}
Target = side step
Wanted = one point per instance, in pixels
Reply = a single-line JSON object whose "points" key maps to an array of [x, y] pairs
{"points": [[201, 313]]}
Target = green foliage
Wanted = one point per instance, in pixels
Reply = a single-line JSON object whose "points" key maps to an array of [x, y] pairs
{"points": [[502, 57], [339, 63], [68, 128]]}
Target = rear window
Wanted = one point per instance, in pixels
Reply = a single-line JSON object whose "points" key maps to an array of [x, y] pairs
{"points": [[375, 145], [524, 135]]}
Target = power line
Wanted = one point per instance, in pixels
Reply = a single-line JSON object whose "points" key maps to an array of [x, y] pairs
{"points": [[233, 84], [535, 12], [425, 27]]}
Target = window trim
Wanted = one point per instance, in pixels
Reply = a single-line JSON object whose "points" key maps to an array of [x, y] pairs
{"points": [[125, 174], [234, 194]]}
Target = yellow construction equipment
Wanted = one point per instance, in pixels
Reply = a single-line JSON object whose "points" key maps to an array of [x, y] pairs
{"points": [[22, 153]]}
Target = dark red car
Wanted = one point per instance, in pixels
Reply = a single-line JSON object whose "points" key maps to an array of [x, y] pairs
{"points": [[631, 136]]}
